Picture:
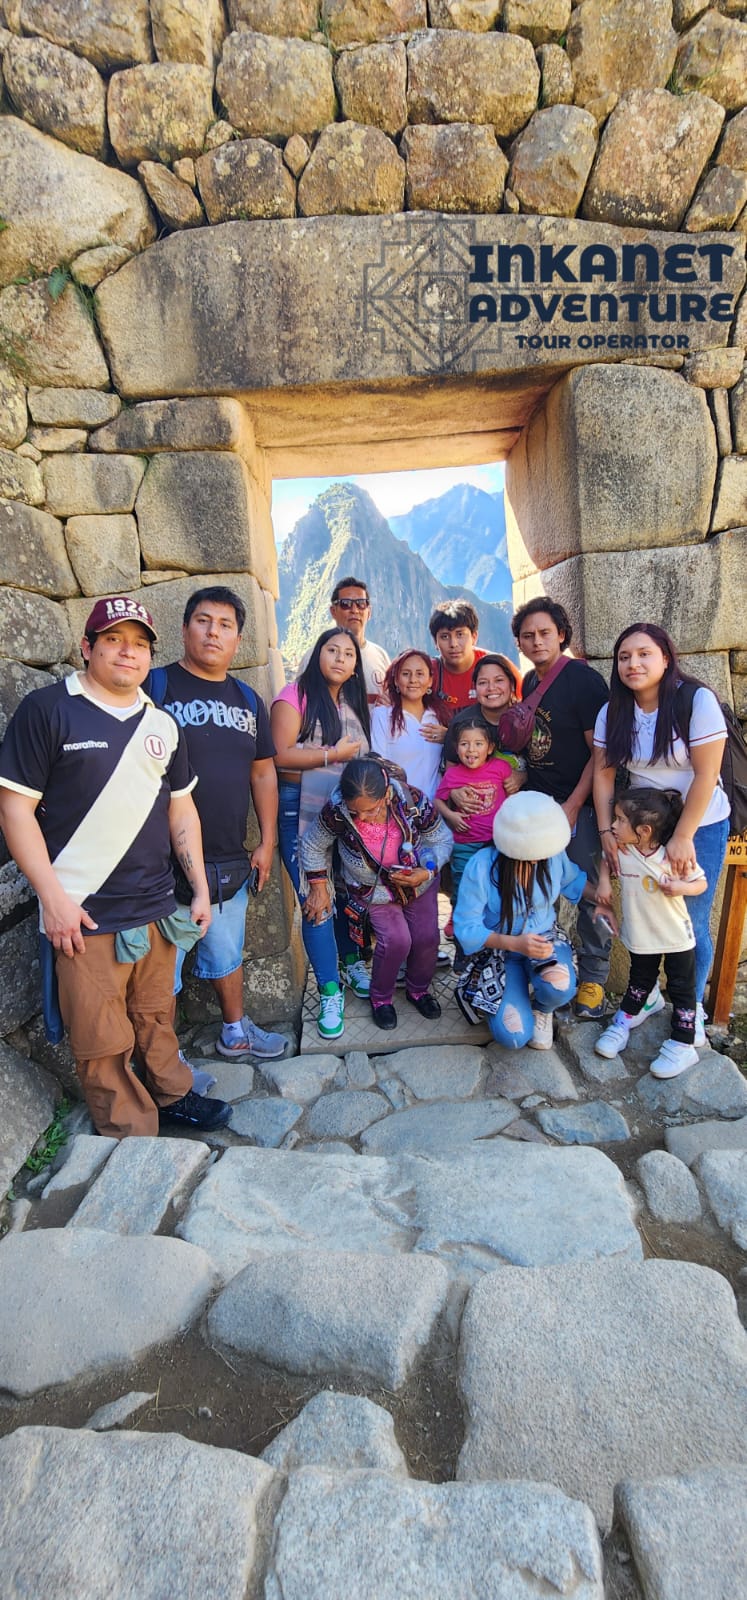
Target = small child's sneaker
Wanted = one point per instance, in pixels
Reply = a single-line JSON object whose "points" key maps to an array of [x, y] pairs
{"points": [[673, 1058], [701, 1038], [612, 1042], [650, 1008]]}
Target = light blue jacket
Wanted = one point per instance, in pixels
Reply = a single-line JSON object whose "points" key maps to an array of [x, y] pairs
{"points": [[478, 908]]}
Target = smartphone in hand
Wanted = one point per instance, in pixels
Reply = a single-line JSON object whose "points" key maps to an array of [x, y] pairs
{"points": [[253, 881]]}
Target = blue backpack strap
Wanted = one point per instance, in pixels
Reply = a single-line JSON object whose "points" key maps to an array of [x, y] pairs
{"points": [[248, 693], [156, 685]]}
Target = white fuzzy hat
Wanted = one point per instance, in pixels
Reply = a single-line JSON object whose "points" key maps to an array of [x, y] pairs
{"points": [[531, 827]]}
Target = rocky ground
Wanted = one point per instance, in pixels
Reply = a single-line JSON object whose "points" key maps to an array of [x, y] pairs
{"points": [[444, 1322]]}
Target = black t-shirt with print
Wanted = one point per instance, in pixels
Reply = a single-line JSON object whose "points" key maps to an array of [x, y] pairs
{"points": [[104, 787], [223, 738], [557, 752]]}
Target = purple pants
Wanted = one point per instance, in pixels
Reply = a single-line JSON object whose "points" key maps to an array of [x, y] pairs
{"points": [[404, 933]]}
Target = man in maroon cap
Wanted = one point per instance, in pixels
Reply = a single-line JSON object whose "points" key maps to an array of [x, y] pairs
{"points": [[95, 792]]}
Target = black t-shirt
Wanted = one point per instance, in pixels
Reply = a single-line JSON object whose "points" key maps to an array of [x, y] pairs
{"points": [[104, 786], [224, 736], [557, 751]]}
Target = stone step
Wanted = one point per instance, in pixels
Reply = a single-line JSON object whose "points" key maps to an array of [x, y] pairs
{"points": [[143, 1180]]}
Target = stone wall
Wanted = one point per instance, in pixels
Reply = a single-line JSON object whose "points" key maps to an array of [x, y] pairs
{"points": [[207, 208]]}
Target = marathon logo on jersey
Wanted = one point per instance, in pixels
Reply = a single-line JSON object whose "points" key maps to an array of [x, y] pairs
{"points": [[195, 713]]}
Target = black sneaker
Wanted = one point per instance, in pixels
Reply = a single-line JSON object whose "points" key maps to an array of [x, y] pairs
{"points": [[384, 1016], [426, 1005], [195, 1111]]}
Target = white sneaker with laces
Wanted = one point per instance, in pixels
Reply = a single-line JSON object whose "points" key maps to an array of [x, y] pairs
{"points": [[542, 1037], [650, 1008], [701, 1038], [612, 1042], [357, 976], [330, 1022], [673, 1058]]}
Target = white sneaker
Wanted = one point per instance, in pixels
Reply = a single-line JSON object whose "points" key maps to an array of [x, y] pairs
{"points": [[357, 977], [612, 1042], [650, 1007], [673, 1058], [701, 1038], [331, 1020], [542, 1037]]}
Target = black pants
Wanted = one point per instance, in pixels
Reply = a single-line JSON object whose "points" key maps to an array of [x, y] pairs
{"points": [[679, 966]]}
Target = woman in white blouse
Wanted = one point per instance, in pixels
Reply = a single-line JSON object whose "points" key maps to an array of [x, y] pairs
{"points": [[407, 729], [667, 731]]}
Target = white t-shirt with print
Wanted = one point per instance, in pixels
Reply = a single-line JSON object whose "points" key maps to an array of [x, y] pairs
{"points": [[706, 726], [652, 922]]}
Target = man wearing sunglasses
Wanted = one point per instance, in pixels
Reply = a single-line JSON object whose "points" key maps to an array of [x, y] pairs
{"points": [[350, 607]]}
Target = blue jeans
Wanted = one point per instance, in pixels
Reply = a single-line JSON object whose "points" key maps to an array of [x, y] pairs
{"points": [[516, 1005], [221, 950], [710, 849], [324, 942]]}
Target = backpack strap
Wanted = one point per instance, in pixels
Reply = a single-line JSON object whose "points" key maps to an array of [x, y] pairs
{"points": [[158, 682], [684, 700]]}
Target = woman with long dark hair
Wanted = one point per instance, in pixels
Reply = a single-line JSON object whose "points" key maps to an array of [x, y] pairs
{"points": [[665, 730], [506, 903], [409, 728], [318, 724]]}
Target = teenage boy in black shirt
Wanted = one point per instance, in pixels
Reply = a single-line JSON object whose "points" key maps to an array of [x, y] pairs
{"points": [[230, 747], [560, 762]]}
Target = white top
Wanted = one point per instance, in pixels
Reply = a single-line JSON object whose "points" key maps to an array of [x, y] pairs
{"points": [[651, 921], [416, 755], [375, 662], [706, 726]]}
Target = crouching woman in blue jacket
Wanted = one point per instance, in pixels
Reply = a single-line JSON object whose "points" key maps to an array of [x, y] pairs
{"points": [[507, 902]]}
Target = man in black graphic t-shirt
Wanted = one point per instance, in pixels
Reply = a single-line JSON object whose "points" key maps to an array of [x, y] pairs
{"points": [[559, 763], [231, 750], [95, 791]]}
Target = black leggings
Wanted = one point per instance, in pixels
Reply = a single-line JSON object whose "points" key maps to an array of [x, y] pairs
{"points": [[679, 966]]}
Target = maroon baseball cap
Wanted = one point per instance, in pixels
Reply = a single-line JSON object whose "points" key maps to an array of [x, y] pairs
{"points": [[117, 608]]}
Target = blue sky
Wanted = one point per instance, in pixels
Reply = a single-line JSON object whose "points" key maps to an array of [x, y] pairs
{"points": [[394, 493]]}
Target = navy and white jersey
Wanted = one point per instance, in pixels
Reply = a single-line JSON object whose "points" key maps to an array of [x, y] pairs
{"points": [[104, 782], [224, 736]]}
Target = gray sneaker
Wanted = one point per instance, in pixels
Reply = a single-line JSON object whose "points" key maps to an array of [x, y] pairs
{"points": [[266, 1046]]}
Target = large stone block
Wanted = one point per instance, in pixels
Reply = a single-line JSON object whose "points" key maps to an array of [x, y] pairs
{"points": [[188, 30], [354, 170], [58, 203], [112, 1493], [618, 458], [13, 412], [180, 425], [284, 17], [730, 510], [245, 178], [491, 78], [175, 201], [595, 1401], [616, 45], [719, 200], [166, 602], [144, 1182], [551, 160], [364, 21], [159, 112], [32, 551], [556, 86], [70, 408], [688, 1533], [697, 589], [372, 85], [455, 167], [541, 21], [16, 681], [50, 341], [20, 479], [733, 147], [653, 150], [104, 552], [57, 92], [226, 310], [32, 629], [110, 33], [201, 511], [714, 53], [28, 1098], [273, 88], [83, 485]]}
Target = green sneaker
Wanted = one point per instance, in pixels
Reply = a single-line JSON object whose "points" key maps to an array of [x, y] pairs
{"points": [[331, 1020], [357, 976]]}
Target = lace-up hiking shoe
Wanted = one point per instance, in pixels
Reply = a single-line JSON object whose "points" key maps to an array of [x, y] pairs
{"points": [[542, 1037], [701, 1038], [612, 1042], [650, 1008], [590, 1001], [331, 1019], [357, 977], [195, 1111], [673, 1058], [255, 1042]]}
